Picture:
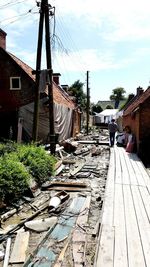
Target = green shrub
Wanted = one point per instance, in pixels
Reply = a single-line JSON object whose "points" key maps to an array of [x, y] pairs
{"points": [[14, 178], [18, 163], [7, 147], [38, 162]]}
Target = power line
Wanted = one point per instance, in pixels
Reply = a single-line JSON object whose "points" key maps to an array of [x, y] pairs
{"points": [[17, 17], [68, 37], [12, 3]]}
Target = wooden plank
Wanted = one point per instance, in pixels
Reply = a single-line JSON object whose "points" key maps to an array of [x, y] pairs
{"points": [[143, 222], [108, 207], [7, 253], [69, 189], [118, 175], [120, 246], [133, 178], [124, 170], [136, 170], [79, 235], [61, 256], [20, 248], [135, 251], [77, 168], [105, 257], [145, 194], [141, 169]]}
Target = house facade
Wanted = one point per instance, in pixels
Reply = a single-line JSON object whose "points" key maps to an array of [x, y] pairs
{"points": [[137, 116], [17, 92]]}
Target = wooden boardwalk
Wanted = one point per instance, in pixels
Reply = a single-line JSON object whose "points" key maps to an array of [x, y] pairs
{"points": [[124, 239]]}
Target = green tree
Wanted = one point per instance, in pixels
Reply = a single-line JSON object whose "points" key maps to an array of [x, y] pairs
{"points": [[109, 107], [76, 90], [117, 95], [96, 108]]}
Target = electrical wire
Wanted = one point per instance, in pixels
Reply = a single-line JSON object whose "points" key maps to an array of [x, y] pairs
{"points": [[11, 4], [17, 17], [72, 44], [58, 45]]}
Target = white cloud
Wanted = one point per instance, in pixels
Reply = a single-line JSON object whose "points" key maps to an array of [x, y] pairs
{"points": [[117, 20], [90, 59]]}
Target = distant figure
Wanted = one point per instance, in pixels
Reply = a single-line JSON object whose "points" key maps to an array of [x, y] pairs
{"points": [[112, 128], [120, 138], [129, 140]]}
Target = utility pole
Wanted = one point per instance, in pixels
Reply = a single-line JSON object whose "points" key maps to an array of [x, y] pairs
{"points": [[50, 82], [37, 77], [45, 13], [88, 102]]}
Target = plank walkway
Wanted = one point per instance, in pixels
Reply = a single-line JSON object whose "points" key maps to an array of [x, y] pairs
{"points": [[124, 239]]}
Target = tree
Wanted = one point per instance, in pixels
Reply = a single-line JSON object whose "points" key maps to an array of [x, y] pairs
{"points": [[76, 90], [117, 95], [109, 107], [96, 108]]}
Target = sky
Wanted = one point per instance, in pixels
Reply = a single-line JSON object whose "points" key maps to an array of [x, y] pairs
{"points": [[110, 39]]}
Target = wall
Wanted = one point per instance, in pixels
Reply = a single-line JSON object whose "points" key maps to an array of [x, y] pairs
{"points": [[140, 126], [12, 99], [144, 144], [133, 122]]}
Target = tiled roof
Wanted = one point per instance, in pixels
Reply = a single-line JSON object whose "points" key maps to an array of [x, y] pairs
{"points": [[141, 99], [23, 65], [59, 95]]}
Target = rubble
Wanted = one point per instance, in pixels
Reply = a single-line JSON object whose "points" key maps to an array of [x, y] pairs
{"points": [[81, 173]]}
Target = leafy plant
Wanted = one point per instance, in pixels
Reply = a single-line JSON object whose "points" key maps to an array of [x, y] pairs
{"points": [[38, 162], [18, 164], [14, 177]]}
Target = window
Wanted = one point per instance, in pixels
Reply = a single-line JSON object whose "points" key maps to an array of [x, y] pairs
{"points": [[15, 83]]}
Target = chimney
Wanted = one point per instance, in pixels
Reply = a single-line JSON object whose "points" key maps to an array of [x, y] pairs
{"points": [[56, 78], [3, 39], [139, 91]]}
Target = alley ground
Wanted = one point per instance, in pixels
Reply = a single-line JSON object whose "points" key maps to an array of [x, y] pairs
{"points": [[82, 175]]}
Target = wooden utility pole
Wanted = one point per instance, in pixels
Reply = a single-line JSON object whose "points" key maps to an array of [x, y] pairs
{"points": [[50, 82], [44, 13], [88, 103], [37, 78]]}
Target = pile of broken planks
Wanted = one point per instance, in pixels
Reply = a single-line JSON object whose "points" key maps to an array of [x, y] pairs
{"points": [[36, 235], [124, 238]]}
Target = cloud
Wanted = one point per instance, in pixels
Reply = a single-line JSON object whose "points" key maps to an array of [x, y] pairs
{"points": [[115, 20], [91, 59]]}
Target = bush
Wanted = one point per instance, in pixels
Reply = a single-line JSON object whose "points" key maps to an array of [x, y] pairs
{"points": [[18, 164], [7, 148], [38, 162], [14, 178]]}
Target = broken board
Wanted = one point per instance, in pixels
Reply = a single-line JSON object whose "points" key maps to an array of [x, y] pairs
{"points": [[45, 255], [18, 254]]}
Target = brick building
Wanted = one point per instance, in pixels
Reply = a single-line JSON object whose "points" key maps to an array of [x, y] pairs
{"points": [[137, 116], [17, 85]]}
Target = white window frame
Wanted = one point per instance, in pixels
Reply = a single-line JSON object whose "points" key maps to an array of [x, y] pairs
{"points": [[11, 83]]}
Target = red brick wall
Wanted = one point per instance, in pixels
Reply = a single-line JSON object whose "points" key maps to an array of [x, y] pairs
{"points": [[145, 119], [133, 122], [140, 122], [12, 99]]}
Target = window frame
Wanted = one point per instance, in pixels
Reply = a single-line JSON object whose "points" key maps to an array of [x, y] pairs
{"points": [[11, 83]]}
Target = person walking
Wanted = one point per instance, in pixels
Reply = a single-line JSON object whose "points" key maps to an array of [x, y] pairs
{"points": [[112, 128]]}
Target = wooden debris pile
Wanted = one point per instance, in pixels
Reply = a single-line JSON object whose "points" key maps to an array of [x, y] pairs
{"points": [[60, 225]]}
